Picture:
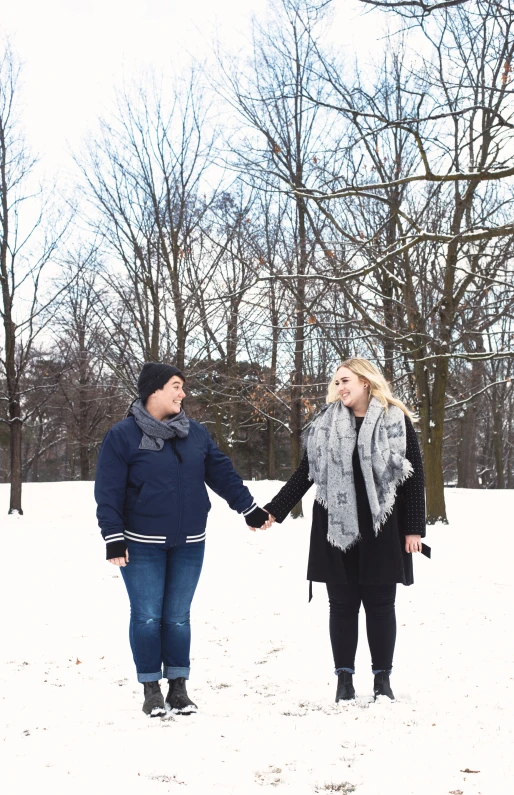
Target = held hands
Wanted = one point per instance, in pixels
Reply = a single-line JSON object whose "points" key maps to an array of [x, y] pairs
{"points": [[412, 543], [267, 524], [260, 519]]}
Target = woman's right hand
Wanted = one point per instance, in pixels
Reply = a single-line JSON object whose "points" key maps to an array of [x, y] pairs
{"points": [[267, 524], [120, 561]]}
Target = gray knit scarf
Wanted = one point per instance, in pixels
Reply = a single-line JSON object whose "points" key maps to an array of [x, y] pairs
{"points": [[381, 447], [156, 432]]}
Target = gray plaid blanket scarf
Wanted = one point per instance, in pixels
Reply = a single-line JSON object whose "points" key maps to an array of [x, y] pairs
{"points": [[381, 447], [156, 432]]}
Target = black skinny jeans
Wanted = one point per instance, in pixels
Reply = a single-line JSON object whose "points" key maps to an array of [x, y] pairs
{"points": [[345, 602]]}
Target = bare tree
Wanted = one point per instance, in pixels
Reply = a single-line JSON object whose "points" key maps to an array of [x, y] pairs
{"points": [[28, 242], [89, 398], [281, 148], [144, 177], [432, 254]]}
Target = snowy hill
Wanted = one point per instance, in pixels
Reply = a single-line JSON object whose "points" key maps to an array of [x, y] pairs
{"points": [[71, 719]]}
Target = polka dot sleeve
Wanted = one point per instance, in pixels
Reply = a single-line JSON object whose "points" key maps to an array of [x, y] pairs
{"points": [[411, 494], [291, 493]]}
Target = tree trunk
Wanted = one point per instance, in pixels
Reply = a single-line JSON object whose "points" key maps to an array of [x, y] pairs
{"points": [[15, 445], [156, 326], [178, 303], [467, 463], [14, 408], [498, 441], [436, 508], [508, 459], [83, 408], [388, 303], [84, 462], [299, 336], [220, 438], [270, 424], [270, 445], [232, 372], [35, 469], [431, 422], [433, 448], [467, 474], [30, 471], [180, 357]]}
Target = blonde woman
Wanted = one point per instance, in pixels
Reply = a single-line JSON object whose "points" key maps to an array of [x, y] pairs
{"points": [[368, 516]]}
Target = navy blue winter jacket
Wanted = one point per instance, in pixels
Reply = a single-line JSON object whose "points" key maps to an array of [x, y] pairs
{"points": [[159, 497]]}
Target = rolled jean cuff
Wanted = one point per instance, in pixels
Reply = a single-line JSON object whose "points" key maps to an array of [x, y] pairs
{"points": [[348, 670], [381, 670], [142, 678], [170, 672]]}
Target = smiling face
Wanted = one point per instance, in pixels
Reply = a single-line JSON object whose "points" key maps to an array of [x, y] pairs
{"points": [[353, 391], [168, 400]]}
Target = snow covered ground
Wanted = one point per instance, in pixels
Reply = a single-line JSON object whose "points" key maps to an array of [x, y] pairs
{"points": [[71, 719]]}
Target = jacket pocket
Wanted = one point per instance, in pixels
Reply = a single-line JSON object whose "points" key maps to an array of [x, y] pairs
{"points": [[154, 501], [131, 496]]}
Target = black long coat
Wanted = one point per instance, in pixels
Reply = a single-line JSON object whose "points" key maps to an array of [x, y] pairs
{"points": [[376, 559]]}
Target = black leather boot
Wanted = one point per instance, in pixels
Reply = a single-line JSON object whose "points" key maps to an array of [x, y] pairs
{"points": [[345, 689], [154, 702], [382, 686], [177, 698]]}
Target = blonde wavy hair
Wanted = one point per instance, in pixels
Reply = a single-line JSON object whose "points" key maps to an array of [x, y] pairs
{"points": [[378, 386]]}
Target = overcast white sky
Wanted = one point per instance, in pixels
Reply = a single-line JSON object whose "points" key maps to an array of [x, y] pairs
{"points": [[76, 51]]}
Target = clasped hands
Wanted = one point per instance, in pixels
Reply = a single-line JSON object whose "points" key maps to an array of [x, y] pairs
{"points": [[259, 519], [267, 524]]}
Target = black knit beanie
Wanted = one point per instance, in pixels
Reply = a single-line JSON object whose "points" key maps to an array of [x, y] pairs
{"points": [[154, 376]]}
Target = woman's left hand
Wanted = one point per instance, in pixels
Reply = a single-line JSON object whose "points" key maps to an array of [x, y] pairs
{"points": [[266, 524], [412, 543]]}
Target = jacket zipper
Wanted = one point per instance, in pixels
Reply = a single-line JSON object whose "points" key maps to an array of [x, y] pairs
{"points": [[177, 464]]}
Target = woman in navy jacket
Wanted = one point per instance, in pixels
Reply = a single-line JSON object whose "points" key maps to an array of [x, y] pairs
{"points": [[152, 511]]}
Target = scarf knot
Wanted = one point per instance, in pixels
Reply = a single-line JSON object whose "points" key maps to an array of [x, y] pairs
{"points": [[381, 446], [156, 432]]}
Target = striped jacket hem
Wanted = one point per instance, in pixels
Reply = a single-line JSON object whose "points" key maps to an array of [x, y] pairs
{"points": [[140, 538]]}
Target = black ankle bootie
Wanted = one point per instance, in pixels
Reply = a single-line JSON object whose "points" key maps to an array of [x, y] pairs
{"points": [[345, 689], [154, 702], [382, 686], [177, 698]]}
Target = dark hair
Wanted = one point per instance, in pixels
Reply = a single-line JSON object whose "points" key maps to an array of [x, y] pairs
{"points": [[154, 376]]}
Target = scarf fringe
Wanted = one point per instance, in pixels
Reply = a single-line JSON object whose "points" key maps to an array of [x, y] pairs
{"points": [[332, 541], [352, 543], [408, 471], [320, 499]]}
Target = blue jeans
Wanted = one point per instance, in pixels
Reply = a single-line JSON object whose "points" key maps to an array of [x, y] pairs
{"points": [[161, 584]]}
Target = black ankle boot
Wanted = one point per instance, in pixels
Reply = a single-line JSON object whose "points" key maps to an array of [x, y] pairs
{"points": [[154, 702], [382, 686], [345, 689], [177, 698]]}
